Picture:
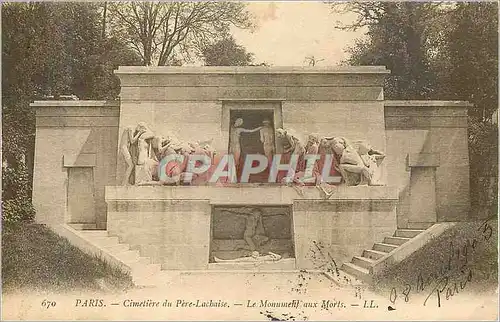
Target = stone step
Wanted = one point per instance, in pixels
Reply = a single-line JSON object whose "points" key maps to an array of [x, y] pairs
{"points": [[128, 256], [358, 272], [238, 271], [95, 233], [143, 272], [343, 279], [395, 240], [373, 254], [117, 248], [362, 261], [83, 226], [381, 247], [137, 261], [408, 233], [105, 241], [419, 225]]}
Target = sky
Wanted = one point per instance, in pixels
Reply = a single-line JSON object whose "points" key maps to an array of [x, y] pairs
{"points": [[288, 32]]}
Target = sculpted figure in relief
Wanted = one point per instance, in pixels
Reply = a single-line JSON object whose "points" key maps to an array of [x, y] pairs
{"points": [[254, 234], [358, 162], [235, 144], [267, 139], [145, 168], [135, 146], [254, 257], [143, 151], [127, 142]]}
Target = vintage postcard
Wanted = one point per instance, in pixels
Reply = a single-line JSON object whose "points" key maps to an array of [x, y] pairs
{"points": [[263, 161]]}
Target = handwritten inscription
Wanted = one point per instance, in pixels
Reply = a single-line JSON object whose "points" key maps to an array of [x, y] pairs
{"points": [[454, 274]]}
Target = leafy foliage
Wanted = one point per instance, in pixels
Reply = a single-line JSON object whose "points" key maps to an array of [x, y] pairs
{"points": [[16, 204], [48, 49], [467, 61], [51, 49], [226, 52], [483, 154], [439, 51], [398, 38]]}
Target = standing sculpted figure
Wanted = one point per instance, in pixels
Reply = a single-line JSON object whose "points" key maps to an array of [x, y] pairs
{"points": [[146, 162], [267, 139], [127, 142], [235, 144]]}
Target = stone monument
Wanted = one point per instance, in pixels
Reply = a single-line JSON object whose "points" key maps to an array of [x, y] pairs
{"points": [[195, 166]]}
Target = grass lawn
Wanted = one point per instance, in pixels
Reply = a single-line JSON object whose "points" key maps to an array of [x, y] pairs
{"points": [[467, 253], [35, 258]]}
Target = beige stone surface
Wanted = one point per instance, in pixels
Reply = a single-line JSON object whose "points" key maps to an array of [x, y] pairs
{"points": [[175, 233], [62, 141], [172, 224], [422, 195], [81, 207], [436, 127], [245, 193], [343, 230]]}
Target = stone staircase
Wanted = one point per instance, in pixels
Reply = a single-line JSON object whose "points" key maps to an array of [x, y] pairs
{"points": [[381, 256], [143, 271], [146, 273]]}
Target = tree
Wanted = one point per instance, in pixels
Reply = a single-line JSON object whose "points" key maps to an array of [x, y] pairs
{"points": [[467, 60], [468, 69], [226, 52], [440, 51], [398, 38], [162, 32], [48, 49]]}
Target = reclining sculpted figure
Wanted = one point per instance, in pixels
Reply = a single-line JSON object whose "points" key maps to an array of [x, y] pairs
{"points": [[254, 257]]}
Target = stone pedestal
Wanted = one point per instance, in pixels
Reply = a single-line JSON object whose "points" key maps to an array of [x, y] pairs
{"points": [[172, 225]]}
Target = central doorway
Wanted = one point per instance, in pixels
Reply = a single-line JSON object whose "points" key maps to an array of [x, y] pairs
{"points": [[250, 143]]}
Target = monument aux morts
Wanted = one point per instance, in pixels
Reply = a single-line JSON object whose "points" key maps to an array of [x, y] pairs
{"points": [[199, 168]]}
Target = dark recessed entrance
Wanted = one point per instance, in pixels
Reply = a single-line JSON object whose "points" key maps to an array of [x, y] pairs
{"points": [[251, 142]]}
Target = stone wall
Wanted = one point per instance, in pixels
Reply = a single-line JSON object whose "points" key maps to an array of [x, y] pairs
{"points": [[75, 158], [340, 228], [428, 140], [174, 233]]}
